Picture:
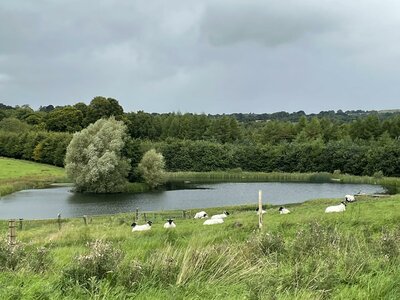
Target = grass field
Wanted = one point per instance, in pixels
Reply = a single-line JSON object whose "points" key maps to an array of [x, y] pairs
{"points": [[304, 255], [17, 175]]}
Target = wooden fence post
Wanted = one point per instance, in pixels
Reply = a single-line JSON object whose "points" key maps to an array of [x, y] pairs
{"points": [[85, 219], [184, 214], [145, 217], [59, 221], [260, 214], [20, 223], [137, 214], [12, 232]]}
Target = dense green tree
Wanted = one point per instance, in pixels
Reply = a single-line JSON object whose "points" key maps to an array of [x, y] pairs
{"points": [[3, 115], [34, 118], [142, 125], [47, 108], [392, 126], [52, 149], [22, 112], [152, 167], [13, 125], [275, 132], [224, 130], [101, 107], [366, 128], [94, 158], [65, 119], [134, 151]]}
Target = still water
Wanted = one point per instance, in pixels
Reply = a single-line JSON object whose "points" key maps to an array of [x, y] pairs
{"points": [[47, 203]]}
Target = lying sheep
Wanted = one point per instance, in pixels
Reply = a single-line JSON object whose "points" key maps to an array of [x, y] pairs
{"points": [[283, 211], [201, 215], [170, 224], [336, 208], [144, 227], [213, 221], [258, 211], [349, 198], [220, 216]]}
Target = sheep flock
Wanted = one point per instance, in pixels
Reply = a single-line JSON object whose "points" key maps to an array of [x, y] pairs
{"points": [[219, 218]]}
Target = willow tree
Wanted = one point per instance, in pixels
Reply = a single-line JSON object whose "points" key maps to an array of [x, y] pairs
{"points": [[152, 168], [94, 159]]}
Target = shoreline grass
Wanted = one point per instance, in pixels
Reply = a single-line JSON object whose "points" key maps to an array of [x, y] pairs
{"points": [[240, 176]]}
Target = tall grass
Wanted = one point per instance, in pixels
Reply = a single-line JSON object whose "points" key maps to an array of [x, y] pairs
{"points": [[246, 176], [390, 182]]}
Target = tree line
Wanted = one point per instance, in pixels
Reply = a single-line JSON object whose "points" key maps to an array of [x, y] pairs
{"points": [[365, 143]]}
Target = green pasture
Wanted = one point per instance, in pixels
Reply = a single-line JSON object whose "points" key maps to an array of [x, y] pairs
{"points": [[304, 255], [20, 174]]}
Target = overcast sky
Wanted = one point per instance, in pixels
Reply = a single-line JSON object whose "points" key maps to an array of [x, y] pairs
{"points": [[202, 56]]}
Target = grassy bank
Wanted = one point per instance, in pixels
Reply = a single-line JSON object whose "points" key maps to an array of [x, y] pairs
{"points": [[16, 175], [305, 255]]}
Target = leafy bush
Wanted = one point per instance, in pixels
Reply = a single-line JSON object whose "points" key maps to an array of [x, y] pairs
{"points": [[100, 261], [11, 256]]}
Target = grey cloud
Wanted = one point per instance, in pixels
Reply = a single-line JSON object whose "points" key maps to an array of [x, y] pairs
{"points": [[201, 56], [270, 23]]}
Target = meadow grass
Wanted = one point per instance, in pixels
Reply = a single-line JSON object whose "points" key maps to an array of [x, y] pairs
{"points": [[18, 175], [304, 255]]}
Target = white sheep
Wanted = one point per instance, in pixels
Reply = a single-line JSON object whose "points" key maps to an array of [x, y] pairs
{"points": [[349, 198], [170, 224], [262, 211], [220, 216], [336, 208], [201, 215], [283, 211], [213, 221], [144, 227]]}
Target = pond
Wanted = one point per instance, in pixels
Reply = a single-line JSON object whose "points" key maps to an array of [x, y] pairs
{"points": [[47, 203]]}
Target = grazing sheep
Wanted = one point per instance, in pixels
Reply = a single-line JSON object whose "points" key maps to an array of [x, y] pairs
{"points": [[213, 221], [170, 224], [220, 216], [262, 211], [201, 215], [349, 198], [283, 211], [336, 208], [144, 227]]}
